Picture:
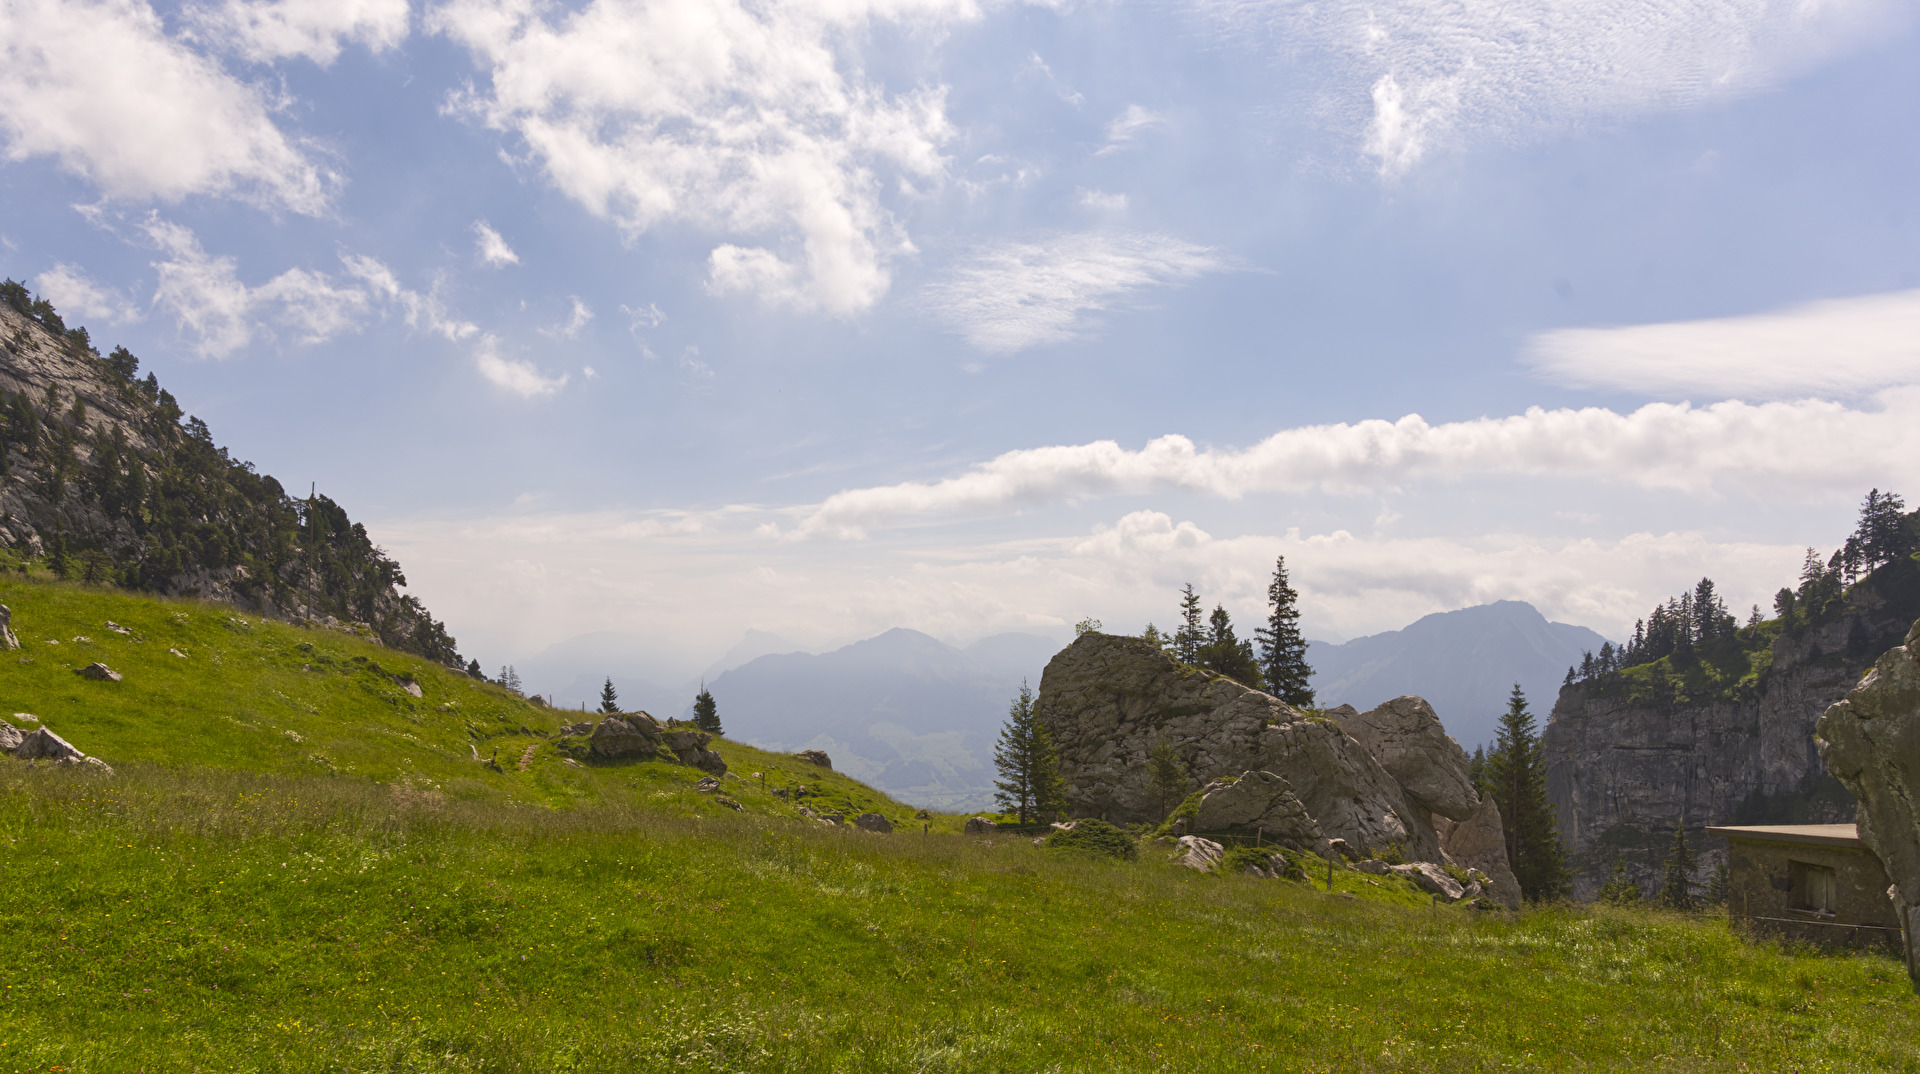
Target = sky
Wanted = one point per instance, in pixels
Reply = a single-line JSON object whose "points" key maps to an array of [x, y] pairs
{"points": [[674, 319]]}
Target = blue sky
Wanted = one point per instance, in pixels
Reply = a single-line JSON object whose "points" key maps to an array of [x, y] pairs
{"points": [[822, 316]]}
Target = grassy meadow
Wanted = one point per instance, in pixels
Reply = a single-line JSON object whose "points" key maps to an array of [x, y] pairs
{"points": [[226, 902]]}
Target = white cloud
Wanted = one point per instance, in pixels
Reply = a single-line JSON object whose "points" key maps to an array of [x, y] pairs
{"points": [[1017, 295], [1411, 75], [518, 376], [576, 320], [1127, 127], [267, 30], [493, 249], [423, 311], [1100, 201], [79, 296], [647, 316], [748, 120], [1768, 448], [1846, 346], [100, 86]]}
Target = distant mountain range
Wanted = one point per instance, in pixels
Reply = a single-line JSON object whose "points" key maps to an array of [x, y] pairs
{"points": [[902, 711], [1464, 663]]}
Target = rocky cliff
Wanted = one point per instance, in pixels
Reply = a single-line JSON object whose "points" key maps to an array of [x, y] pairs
{"points": [[1727, 739], [104, 479], [1375, 781]]}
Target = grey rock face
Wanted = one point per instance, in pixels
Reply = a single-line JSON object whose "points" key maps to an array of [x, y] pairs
{"points": [[1406, 737], [1870, 741], [1479, 842], [617, 736], [7, 639], [1621, 767], [1107, 700], [690, 747], [1201, 854], [41, 744], [1259, 802], [873, 822], [99, 672], [980, 826]]}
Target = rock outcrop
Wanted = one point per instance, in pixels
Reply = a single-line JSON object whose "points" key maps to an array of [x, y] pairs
{"points": [[1870, 741], [1107, 701], [625, 735], [690, 748], [814, 757], [1263, 803], [1479, 842], [1623, 770]]}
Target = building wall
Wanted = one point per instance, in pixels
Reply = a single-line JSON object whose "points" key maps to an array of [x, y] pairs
{"points": [[1762, 895]]}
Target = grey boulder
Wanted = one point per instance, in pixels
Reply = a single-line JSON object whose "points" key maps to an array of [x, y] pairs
{"points": [[818, 757], [1200, 854], [41, 744], [616, 736], [980, 826], [10, 737], [1406, 737], [873, 822], [1259, 802], [99, 672]]}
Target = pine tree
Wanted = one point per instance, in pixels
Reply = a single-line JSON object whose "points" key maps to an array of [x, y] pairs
{"points": [[1153, 637], [1676, 890], [1225, 653], [1620, 888], [706, 714], [1029, 785], [609, 699], [1517, 780], [510, 678], [1191, 636], [1169, 775], [1283, 652]]}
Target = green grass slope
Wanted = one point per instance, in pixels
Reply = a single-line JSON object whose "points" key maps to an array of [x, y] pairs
{"points": [[369, 898], [264, 696]]}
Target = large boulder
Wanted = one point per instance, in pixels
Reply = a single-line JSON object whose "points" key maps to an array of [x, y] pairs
{"points": [[1406, 737], [1197, 853], [873, 822], [625, 736], [1480, 842], [1108, 700], [1870, 742], [41, 744], [690, 747], [980, 826], [818, 757], [1259, 802]]}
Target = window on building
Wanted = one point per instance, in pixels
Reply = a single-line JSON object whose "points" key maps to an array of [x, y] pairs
{"points": [[1815, 887]]}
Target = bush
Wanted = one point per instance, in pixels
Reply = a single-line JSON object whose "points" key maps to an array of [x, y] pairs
{"points": [[1093, 836]]}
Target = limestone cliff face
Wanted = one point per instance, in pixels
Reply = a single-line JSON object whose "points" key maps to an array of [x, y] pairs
{"points": [[1623, 772]]}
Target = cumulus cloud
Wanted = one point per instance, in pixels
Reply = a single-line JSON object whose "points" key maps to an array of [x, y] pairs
{"points": [[101, 87], [747, 120], [516, 375], [1847, 346], [1766, 447], [1408, 76], [1022, 294], [492, 248], [267, 30], [78, 295]]}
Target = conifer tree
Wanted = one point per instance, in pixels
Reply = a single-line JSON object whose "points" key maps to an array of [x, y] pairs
{"points": [[1517, 780], [1191, 636], [1169, 775], [1153, 637], [1676, 889], [1029, 785], [1225, 653], [1283, 652], [609, 698], [706, 714], [1620, 888], [510, 678]]}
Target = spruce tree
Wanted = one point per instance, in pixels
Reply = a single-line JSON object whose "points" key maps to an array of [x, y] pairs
{"points": [[609, 699], [1226, 654], [1676, 889], [706, 714], [1283, 652], [1517, 780], [1153, 637], [1169, 775], [1029, 785], [1620, 888], [1191, 636]]}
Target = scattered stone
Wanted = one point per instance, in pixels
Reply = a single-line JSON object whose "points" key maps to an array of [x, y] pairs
{"points": [[7, 638], [183, 656], [43, 745], [834, 818], [411, 687], [582, 728], [707, 785], [1432, 878], [1259, 802], [1372, 867], [815, 757], [98, 672], [1868, 741], [117, 628], [27, 716], [80, 640], [980, 826], [873, 822], [1198, 853]]}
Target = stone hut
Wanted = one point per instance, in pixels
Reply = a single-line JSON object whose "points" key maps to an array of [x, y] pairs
{"points": [[1816, 883]]}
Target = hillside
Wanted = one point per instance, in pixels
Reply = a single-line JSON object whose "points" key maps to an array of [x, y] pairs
{"points": [[1463, 662], [906, 712], [104, 478]]}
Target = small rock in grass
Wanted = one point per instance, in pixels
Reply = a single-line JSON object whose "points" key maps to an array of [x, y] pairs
{"points": [[10, 737], [979, 826], [99, 672], [818, 757], [873, 822], [183, 656], [44, 745], [117, 628], [1198, 853], [27, 716], [707, 785], [82, 640], [411, 687]]}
